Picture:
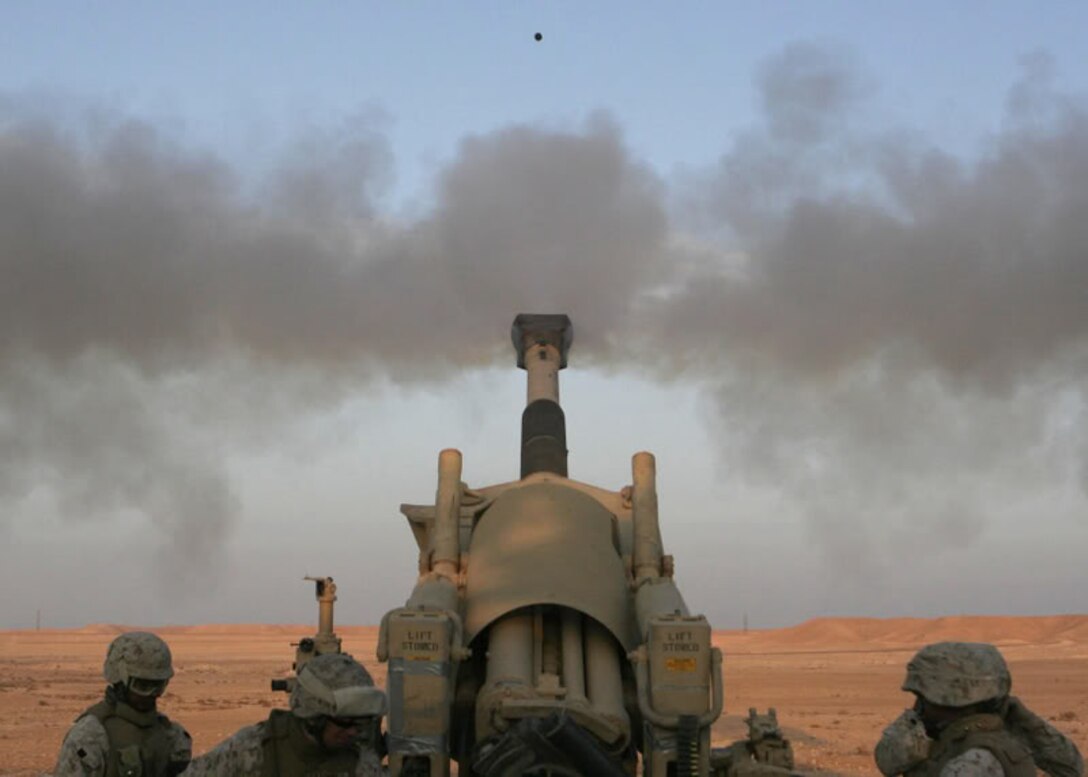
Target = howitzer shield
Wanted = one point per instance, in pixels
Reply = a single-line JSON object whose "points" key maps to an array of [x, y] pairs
{"points": [[548, 543]]}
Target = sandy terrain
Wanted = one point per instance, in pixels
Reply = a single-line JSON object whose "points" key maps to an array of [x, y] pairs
{"points": [[834, 681]]}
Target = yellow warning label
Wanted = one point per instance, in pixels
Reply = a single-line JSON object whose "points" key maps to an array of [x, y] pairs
{"points": [[680, 664]]}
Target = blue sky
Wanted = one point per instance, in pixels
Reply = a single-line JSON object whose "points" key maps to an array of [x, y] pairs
{"points": [[241, 77], [853, 321]]}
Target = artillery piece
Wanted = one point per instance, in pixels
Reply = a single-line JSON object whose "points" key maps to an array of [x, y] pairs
{"points": [[324, 641], [545, 634]]}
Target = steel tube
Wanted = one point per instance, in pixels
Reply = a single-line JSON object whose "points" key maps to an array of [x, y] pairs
{"points": [[542, 362], [510, 649], [604, 684], [446, 544], [646, 528], [574, 672], [324, 615]]}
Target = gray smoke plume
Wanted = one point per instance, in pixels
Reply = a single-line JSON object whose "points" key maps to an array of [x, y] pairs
{"points": [[154, 308], [899, 338], [896, 339]]}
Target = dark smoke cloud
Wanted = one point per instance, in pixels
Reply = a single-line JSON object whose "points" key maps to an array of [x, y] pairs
{"points": [[155, 308], [896, 338], [101, 440], [976, 270], [138, 247], [896, 345]]}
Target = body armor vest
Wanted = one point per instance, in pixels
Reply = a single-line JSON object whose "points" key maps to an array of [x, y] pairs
{"points": [[985, 732], [140, 744], [289, 752]]}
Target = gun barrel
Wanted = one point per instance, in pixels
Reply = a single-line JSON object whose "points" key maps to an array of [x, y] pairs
{"points": [[542, 342]]}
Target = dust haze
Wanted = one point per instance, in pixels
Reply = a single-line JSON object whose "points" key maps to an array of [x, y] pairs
{"points": [[895, 339]]}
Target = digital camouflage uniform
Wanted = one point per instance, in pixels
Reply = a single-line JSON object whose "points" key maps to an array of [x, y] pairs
{"points": [[113, 739], [86, 749], [976, 746], [1005, 740], [331, 685]]}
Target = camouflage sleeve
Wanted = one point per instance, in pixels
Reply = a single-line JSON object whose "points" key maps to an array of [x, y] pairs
{"points": [[1052, 751], [239, 756], [83, 752], [976, 762], [902, 745], [181, 747]]}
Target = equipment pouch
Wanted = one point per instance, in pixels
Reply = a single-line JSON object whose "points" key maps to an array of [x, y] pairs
{"points": [[129, 762]]}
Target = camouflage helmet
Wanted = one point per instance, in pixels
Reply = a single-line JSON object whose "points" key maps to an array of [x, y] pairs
{"points": [[335, 684], [137, 654], [956, 674]]}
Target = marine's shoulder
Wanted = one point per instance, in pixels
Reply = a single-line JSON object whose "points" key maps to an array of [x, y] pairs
{"points": [[175, 728], [87, 730], [181, 744], [84, 749]]}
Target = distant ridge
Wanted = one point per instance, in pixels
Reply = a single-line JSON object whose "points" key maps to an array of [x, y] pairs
{"points": [[910, 632], [852, 633], [297, 630]]}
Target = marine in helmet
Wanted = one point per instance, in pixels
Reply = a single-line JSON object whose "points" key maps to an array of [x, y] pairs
{"points": [[333, 729], [125, 735], [964, 723]]}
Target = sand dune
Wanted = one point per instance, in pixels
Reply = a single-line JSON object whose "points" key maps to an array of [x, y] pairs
{"points": [[875, 633]]}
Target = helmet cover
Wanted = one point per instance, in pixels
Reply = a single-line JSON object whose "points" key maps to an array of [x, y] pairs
{"points": [[956, 674], [137, 654], [336, 685]]}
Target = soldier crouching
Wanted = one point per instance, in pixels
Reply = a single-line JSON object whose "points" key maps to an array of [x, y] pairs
{"points": [[333, 729], [964, 723]]}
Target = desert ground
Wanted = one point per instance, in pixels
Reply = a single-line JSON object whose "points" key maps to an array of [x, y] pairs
{"points": [[834, 681]]}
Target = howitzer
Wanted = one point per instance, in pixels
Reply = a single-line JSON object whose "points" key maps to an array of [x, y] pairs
{"points": [[324, 641], [765, 753], [545, 634]]}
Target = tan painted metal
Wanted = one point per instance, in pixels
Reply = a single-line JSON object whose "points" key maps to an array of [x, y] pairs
{"points": [[510, 649], [562, 583], [420, 686], [647, 529], [509, 671], [574, 675], [542, 365], [447, 513], [604, 682], [547, 544], [422, 639], [326, 597], [324, 641], [655, 597]]}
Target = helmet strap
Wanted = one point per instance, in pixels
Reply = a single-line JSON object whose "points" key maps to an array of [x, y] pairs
{"points": [[116, 693], [314, 727]]}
